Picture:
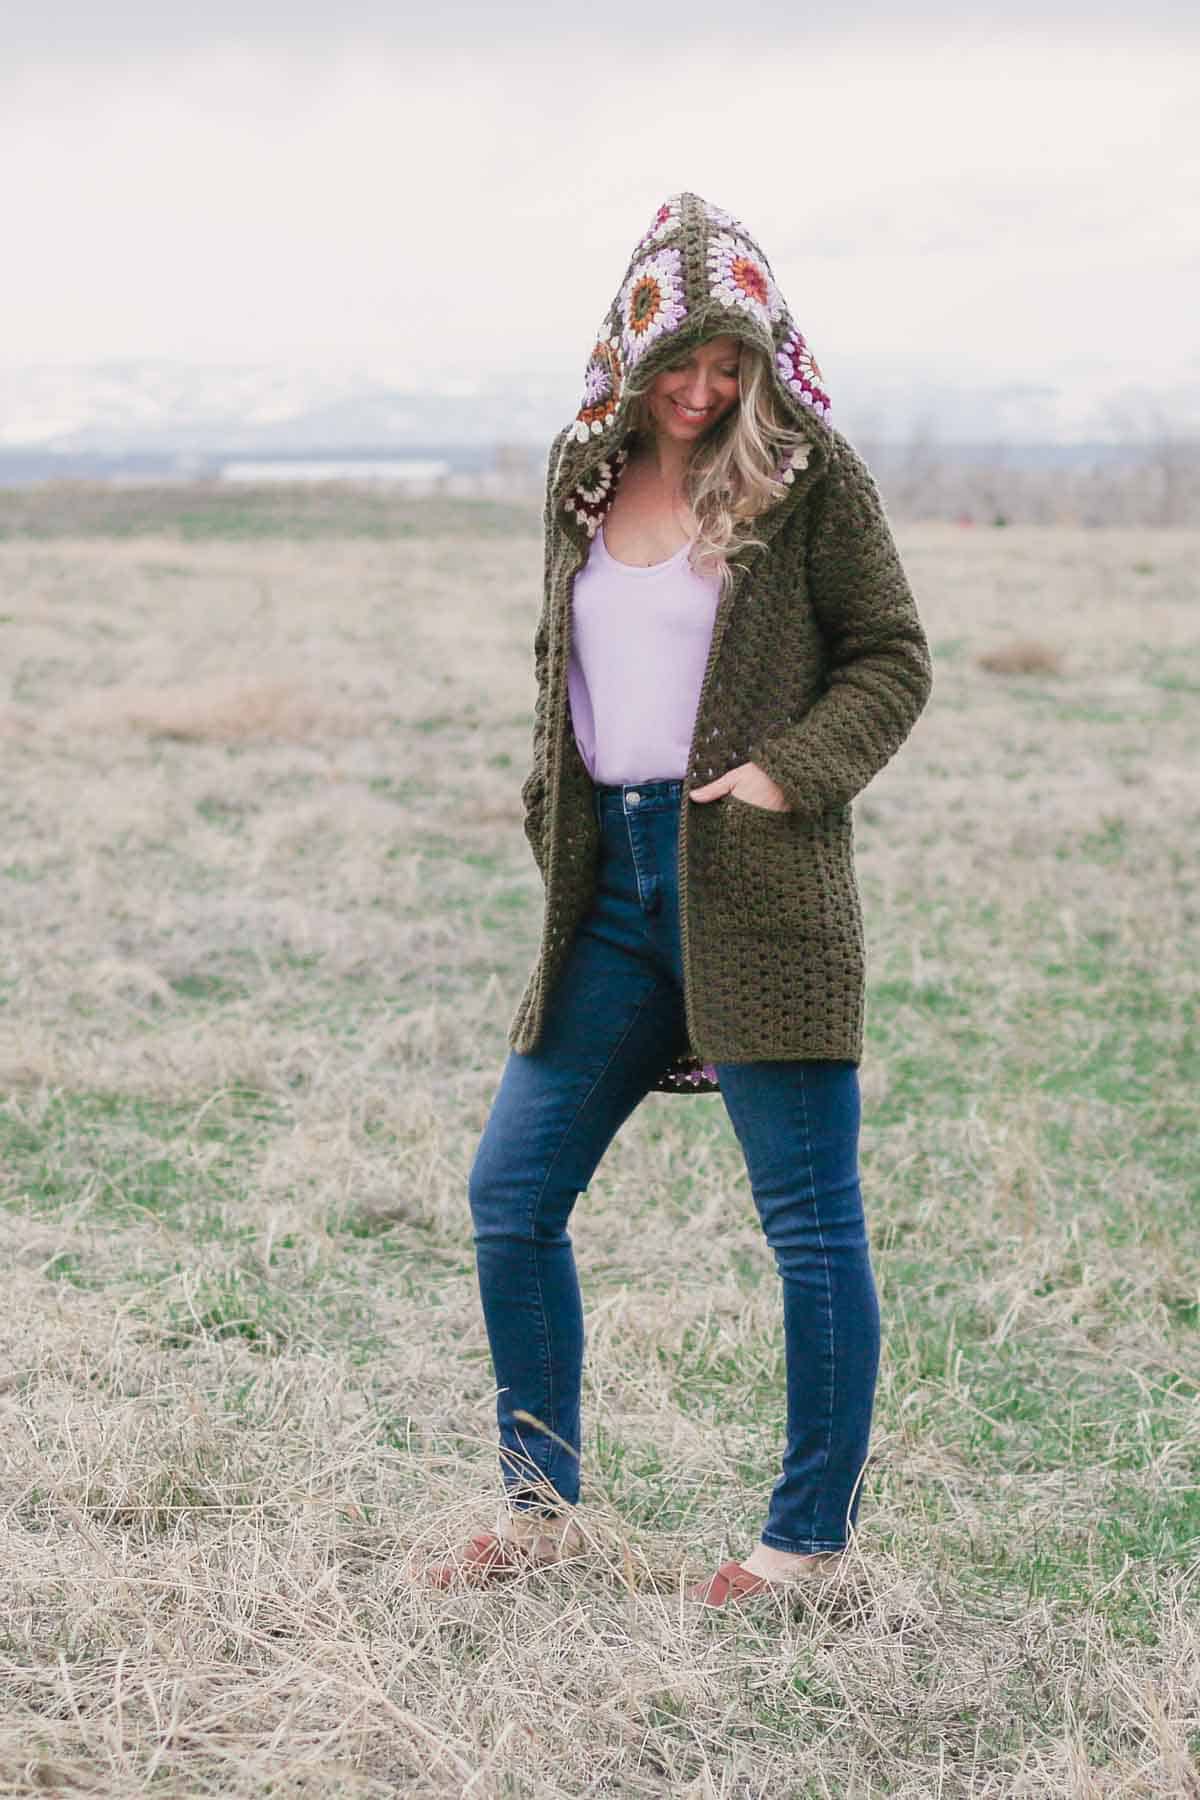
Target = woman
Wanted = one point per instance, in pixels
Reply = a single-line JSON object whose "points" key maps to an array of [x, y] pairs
{"points": [[728, 651]]}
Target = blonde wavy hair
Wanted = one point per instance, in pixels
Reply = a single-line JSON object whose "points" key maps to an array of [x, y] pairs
{"points": [[731, 474]]}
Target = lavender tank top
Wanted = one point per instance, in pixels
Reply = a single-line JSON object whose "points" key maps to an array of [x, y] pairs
{"points": [[639, 645]]}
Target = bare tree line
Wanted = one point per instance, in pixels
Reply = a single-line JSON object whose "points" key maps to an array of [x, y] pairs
{"points": [[1146, 472]]}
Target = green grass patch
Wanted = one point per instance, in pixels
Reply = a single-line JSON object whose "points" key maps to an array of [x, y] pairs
{"points": [[122, 1157]]}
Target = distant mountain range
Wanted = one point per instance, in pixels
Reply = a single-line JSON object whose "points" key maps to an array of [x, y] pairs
{"points": [[189, 409], [160, 416]]}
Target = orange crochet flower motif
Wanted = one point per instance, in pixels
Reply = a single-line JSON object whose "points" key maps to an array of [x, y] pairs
{"points": [[737, 277], [651, 302], [745, 274]]}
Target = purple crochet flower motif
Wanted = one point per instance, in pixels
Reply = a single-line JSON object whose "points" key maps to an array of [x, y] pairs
{"points": [[598, 382], [601, 390], [665, 221], [800, 373]]}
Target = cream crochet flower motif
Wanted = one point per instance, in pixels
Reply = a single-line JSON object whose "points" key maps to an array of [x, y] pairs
{"points": [[720, 220], [785, 474], [590, 499], [651, 302], [739, 276]]}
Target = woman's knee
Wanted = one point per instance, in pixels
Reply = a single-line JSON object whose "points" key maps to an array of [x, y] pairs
{"points": [[491, 1195], [512, 1197]]}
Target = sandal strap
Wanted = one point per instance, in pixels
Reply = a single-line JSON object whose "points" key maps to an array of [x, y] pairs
{"points": [[731, 1578], [492, 1552], [486, 1557]]}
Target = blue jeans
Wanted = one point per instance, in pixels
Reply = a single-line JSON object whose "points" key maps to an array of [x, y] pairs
{"points": [[613, 1020]]}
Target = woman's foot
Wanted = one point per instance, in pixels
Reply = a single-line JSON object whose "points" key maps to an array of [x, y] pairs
{"points": [[765, 1571], [538, 1537], [520, 1541], [789, 1565]]}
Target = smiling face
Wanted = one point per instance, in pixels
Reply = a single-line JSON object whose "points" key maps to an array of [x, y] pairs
{"points": [[685, 400]]}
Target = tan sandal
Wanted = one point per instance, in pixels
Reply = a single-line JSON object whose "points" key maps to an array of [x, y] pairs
{"points": [[489, 1557], [733, 1583], [486, 1558]]}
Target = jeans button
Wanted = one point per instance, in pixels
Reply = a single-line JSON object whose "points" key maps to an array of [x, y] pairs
{"points": [[633, 797]]}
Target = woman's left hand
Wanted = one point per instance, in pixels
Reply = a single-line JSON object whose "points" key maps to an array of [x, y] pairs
{"points": [[749, 783]]}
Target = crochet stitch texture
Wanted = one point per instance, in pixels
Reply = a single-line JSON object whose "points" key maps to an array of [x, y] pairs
{"points": [[817, 670]]}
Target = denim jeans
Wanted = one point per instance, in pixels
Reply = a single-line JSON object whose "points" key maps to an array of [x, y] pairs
{"points": [[613, 1020]]}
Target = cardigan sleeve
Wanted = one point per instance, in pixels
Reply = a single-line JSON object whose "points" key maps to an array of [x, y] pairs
{"points": [[879, 669]]}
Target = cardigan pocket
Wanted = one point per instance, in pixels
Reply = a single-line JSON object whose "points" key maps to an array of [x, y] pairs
{"points": [[532, 787], [533, 798], [776, 869]]}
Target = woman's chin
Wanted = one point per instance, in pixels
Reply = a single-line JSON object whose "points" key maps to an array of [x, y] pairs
{"points": [[686, 431]]}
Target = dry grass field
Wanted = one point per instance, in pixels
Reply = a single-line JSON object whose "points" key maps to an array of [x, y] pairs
{"points": [[267, 908]]}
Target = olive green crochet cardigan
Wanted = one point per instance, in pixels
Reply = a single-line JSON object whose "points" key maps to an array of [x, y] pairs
{"points": [[817, 670]]}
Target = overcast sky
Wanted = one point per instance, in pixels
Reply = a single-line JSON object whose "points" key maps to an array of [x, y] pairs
{"points": [[1007, 205]]}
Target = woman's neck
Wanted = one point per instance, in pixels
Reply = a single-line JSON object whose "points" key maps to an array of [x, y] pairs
{"points": [[668, 460]]}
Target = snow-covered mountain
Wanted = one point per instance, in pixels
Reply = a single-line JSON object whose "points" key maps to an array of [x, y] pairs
{"points": [[146, 406]]}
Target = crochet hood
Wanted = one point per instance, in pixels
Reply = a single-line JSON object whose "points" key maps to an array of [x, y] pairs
{"points": [[694, 273]]}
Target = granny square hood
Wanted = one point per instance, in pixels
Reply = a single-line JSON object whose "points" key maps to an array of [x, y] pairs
{"points": [[817, 669], [696, 272]]}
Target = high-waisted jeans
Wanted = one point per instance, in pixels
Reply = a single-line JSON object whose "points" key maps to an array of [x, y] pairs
{"points": [[613, 1020]]}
